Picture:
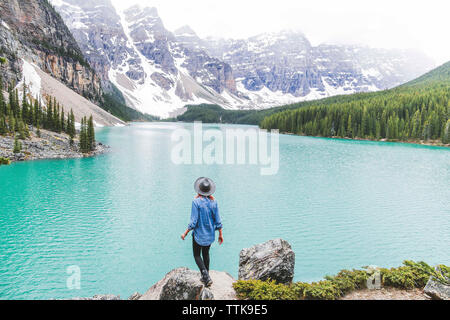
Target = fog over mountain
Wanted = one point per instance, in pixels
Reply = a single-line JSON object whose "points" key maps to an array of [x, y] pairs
{"points": [[159, 71], [397, 24]]}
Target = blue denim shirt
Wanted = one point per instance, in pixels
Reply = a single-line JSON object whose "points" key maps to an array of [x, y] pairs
{"points": [[205, 220]]}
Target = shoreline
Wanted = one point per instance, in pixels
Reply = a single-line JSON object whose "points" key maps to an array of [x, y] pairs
{"points": [[432, 143], [49, 146]]}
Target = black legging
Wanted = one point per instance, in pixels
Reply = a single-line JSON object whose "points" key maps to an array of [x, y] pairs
{"points": [[201, 263]]}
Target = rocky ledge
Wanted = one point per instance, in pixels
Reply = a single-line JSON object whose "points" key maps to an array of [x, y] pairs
{"points": [[273, 260], [185, 284], [436, 289], [50, 145]]}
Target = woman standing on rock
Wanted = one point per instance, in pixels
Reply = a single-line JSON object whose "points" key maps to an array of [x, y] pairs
{"points": [[205, 220]]}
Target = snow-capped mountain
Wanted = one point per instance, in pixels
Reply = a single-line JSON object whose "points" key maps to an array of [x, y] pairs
{"points": [[159, 72], [135, 52], [286, 62]]}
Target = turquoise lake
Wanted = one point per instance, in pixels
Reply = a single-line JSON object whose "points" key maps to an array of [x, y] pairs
{"points": [[119, 217]]}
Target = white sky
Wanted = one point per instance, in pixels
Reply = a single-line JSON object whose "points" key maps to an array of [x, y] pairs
{"points": [[421, 24]]}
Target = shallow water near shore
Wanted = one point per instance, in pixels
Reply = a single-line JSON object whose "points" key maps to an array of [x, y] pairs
{"points": [[119, 217]]}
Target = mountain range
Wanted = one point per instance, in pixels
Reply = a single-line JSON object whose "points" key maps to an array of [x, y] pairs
{"points": [[88, 54], [159, 72]]}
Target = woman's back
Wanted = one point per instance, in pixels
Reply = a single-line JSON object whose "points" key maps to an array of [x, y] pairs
{"points": [[205, 220]]}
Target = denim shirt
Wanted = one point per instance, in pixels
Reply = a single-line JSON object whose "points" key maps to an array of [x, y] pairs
{"points": [[205, 220]]}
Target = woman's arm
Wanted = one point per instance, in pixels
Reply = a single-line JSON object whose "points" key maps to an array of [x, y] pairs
{"points": [[185, 234], [218, 222], [194, 219], [220, 237], [217, 219]]}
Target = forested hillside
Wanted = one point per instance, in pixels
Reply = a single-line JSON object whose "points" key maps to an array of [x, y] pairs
{"points": [[416, 111], [17, 118]]}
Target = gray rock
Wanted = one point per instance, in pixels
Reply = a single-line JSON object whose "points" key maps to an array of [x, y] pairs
{"points": [[100, 297], [436, 289], [271, 260], [106, 297], [185, 284], [206, 294], [135, 296]]}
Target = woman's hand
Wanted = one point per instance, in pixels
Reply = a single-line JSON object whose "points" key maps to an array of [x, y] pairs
{"points": [[220, 237], [184, 235]]}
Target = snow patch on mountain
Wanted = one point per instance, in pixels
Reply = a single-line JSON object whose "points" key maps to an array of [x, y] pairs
{"points": [[31, 79], [4, 24]]}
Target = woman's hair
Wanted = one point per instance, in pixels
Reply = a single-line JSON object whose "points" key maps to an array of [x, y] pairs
{"points": [[209, 197]]}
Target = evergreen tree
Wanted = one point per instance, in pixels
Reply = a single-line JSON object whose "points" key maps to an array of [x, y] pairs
{"points": [[405, 114], [84, 136], [36, 114], [38, 129], [446, 133], [91, 135], [3, 110], [17, 145], [3, 126], [25, 115], [49, 117], [62, 125], [71, 126]]}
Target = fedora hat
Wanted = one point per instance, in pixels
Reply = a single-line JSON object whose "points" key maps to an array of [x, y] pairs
{"points": [[204, 186]]}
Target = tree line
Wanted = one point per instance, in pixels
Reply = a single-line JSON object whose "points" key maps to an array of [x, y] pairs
{"points": [[17, 117], [402, 114]]}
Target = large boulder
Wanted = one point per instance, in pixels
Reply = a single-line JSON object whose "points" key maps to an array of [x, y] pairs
{"points": [[271, 260], [185, 284], [436, 289]]}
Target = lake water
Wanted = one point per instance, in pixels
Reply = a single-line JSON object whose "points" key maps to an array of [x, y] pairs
{"points": [[341, 204]]}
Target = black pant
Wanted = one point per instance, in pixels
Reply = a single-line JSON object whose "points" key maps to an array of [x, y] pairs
{"points": [[203, 264]]}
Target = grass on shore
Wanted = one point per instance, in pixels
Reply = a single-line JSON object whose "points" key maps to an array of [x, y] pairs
{"points": [[4, 161], [409, 276]]}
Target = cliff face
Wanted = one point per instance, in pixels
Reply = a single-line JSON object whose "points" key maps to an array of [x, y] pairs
{"points": [[134, 51], [287, 62], [34, 31]]}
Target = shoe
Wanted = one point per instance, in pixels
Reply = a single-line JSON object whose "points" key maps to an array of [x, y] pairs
{"points": [[206, 279]]}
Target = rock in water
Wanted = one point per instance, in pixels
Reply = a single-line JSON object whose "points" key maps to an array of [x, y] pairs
{"points": [[437, 290], [185, 284], [271, 260]]}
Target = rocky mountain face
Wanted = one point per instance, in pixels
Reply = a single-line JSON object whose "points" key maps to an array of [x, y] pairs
{"points": [[135, 52], [159, 72], [286, 62], [34, 31]]}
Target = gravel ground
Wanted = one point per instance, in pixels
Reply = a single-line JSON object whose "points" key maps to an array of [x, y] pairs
{"points": [[387, 294]]}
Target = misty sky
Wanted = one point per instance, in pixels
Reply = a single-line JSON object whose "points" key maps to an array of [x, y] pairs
{"points": [[383, 23]]}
